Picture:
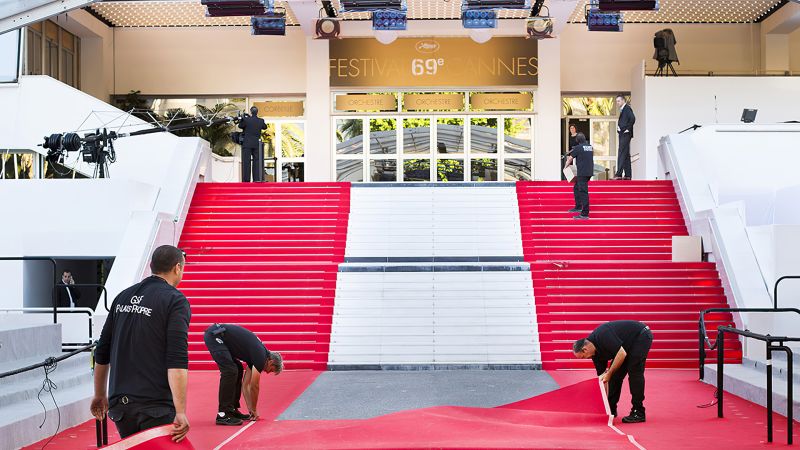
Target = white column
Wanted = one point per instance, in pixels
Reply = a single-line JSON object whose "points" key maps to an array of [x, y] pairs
{"points": [[318, 116], [547, 154]]}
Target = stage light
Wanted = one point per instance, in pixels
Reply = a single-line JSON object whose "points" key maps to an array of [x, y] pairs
{"points": [[227, 8], [389, 20], [496, 4], [604, 21], [371, 5], [628, 5], [272, 25], [328, 28], [539, 27], [479, 18]]}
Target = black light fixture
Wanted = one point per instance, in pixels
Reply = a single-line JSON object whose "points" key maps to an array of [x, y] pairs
{"points": [[628, 5], [371, 5], [227, 8], [598, 20], [269, 25], [328, 28], [539, 27], [496, 4]]}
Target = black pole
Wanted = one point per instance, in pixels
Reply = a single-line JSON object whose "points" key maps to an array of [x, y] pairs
{"points": [[720, 368], [701, 348], [98, 433], [775, 290], [769, 392], [789, 395], [105, 430]]}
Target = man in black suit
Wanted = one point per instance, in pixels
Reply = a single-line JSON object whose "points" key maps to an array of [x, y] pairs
{"points": [[67, 294], [625, 131], [252, 126]]}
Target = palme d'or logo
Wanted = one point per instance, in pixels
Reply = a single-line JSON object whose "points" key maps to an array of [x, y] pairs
{"points": [[427, 46]]}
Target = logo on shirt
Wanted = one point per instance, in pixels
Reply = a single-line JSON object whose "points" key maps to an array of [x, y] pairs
{"points": [[134, 307], [135, 300]]}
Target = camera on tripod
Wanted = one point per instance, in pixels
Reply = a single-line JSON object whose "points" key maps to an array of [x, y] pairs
{"points": [[96, 148]]}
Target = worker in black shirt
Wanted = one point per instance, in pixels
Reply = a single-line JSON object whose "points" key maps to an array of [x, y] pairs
{"points": [[626, 344], [584, 154], [144, 344], [230, 345], [252, 126]]}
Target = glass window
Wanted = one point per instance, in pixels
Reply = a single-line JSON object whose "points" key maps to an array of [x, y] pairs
{"points": [[450, 170], [417, 170], [382, 136], [268, 138], [450, 135], [604, 137], [483, 134], [293, 171], [349, 136], [588, 106], [483, 169], [16, 166], [416, 135], [68, 66], [34, 57], [518, 135], [52, 59], [292, 140], [383, 170], [351, 170], [517, 169]]}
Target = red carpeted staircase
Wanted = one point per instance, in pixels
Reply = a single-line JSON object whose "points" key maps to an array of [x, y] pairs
{"points": [[265, 256], [616, 265]]}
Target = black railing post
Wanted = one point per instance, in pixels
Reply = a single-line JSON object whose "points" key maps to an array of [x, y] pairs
{"points": [[701, 348], [789, 394], [769, 392], [775, 290], [720, 369]]}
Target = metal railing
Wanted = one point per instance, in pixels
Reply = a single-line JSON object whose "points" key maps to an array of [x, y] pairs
{"points": [[64, 345], [777, 282], [55, 276], [771, 341]]}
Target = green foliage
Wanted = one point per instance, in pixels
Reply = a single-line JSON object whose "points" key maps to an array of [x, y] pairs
{"points": [[177, 116], [218, 135], [133, 101]]}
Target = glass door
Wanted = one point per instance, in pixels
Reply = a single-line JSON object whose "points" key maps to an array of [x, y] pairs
{"points": [[604, 142]]}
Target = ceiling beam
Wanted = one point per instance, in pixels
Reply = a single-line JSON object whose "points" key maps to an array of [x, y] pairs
{"points": [[19, 13]]}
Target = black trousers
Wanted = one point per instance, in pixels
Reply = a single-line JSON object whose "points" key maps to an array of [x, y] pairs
{"points": [[230, 369], [250, 164], [624, 156], [134, 417], [633, 367], [580, 191]]}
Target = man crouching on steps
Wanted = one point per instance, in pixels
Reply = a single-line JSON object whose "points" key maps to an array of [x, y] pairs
{"points": [[626, 344], [230, 345]]}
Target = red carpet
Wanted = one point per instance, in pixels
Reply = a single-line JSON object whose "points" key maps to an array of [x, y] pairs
{"points": [[616, 265], [265, 256], [276, 394]]}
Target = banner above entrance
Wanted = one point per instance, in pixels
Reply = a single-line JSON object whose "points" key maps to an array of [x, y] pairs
{"points": [[279, 109], [434, 62]]}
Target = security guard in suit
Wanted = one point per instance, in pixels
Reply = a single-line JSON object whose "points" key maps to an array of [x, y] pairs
{"points": [[252, 126], [625, 132]]}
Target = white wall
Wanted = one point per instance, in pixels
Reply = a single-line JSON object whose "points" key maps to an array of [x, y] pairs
{"points": [[211, 61], [601, 62], [673, 104]]}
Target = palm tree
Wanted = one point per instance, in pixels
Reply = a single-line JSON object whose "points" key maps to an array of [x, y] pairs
{"points": [[178, 116], [218, 135]]}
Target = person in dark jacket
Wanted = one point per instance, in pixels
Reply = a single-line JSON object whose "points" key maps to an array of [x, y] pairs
{"points": [[626, 343], [144, 346], [252, 126], [583, 153], [67, 295], [625, 133], [230, 346]]}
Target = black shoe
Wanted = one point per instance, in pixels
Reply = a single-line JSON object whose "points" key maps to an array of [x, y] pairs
{"points": [[241, 416], [635, 417], [227, 419], [613, 411], [574, 210], [580, 217]]}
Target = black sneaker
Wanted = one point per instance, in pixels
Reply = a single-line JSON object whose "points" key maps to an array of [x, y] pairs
{"points": [[574, 210], [635, 417], [241, 416], [227, 419], [580, 217]]}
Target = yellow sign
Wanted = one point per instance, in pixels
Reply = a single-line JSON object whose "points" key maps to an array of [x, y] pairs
{"points": [[366, 102], [279, 109], [501, 102], [433, 102], [430, 62]]}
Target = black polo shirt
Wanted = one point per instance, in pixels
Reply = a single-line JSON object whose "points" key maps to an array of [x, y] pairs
{"points": [[609, 337], [146, 333], [584, 159], [245, 346]]}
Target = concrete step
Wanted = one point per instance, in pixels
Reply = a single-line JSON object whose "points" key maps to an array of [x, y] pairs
{"points": [[22, 341], [779, 366], [25, 386], [750, 384]]}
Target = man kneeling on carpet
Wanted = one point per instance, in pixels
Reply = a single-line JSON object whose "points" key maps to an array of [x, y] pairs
{"points": [[230, 345], [626, 343]]}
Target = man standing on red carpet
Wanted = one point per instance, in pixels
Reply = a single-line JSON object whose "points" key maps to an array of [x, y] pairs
{"points": [[626, 343], [230, 345], [144, 345]]}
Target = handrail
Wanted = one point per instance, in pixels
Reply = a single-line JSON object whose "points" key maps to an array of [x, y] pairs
{"points": [[96, 285], [770, 341], [87, 311], [775, 290], [703, 336], [48, 361], [55, 276]]}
